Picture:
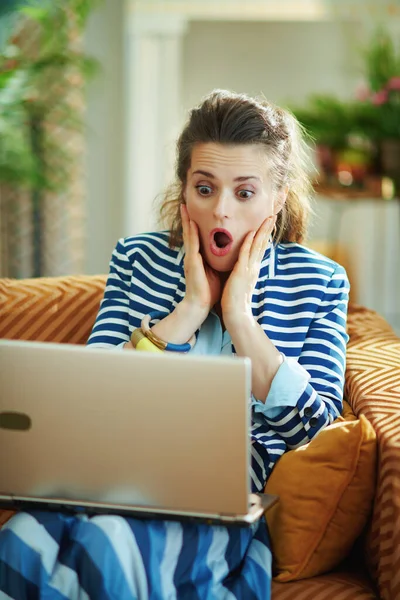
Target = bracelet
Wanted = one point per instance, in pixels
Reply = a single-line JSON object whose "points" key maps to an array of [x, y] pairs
{"points": [[140, 342], [150, 335]]}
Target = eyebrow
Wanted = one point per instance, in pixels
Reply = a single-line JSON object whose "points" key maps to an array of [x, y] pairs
{"points": [[211, 176]]}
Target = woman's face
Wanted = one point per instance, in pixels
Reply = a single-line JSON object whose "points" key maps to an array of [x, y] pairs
{"points": [[228, 194]]}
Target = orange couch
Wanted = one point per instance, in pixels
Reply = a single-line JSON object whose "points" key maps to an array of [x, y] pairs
{"points": [[63, 310]]}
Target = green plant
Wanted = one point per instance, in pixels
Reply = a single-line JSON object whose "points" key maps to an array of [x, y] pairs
{"points": [[378, 107], [40, 67], [327, 119], [357, 131], [382, 59]]}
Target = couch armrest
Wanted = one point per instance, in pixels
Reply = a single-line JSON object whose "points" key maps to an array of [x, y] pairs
{"points": [[50, 309], [373, 389]]}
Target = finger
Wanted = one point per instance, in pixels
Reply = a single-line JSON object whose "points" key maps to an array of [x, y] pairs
{"points": [[194, 238], [184, 217], [261, 240], [185, 227], [244, 254]]}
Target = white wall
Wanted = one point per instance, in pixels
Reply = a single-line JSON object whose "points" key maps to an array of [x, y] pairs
{"points": [[105, 141], [285, 61]]}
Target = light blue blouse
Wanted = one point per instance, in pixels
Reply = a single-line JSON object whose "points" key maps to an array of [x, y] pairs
{"points": [[288, 384]]}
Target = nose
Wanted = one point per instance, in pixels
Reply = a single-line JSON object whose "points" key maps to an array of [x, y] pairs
{"points": [[222, 208]]}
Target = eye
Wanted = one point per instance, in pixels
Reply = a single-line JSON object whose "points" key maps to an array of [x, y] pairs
{"points": [[245, 194], [204, 190]]}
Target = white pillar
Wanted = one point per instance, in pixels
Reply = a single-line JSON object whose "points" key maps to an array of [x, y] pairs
{"points": [[153, 113]]}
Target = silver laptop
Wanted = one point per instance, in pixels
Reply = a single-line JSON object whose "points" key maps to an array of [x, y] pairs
{"points": [[141, 434]]}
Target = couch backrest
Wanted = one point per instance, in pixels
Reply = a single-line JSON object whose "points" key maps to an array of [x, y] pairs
{"points": [[63, 309], [373, 389], [50, 309]]}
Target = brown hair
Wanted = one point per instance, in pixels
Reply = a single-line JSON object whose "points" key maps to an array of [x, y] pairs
{"points": [[228, 118]]}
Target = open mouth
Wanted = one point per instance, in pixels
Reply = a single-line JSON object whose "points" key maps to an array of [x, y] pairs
{"points": [[220, 242]]}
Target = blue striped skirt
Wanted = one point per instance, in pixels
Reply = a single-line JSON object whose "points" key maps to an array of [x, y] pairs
{"points": [[50, 556]]}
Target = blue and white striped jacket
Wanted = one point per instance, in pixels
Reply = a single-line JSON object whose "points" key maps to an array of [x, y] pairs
{"points": [[300, 301]]}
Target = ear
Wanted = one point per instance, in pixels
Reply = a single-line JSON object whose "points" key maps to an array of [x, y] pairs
{"points": [[280, 199]]}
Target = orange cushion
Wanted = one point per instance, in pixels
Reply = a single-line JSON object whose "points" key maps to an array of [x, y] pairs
{"points": [[326, 490]]}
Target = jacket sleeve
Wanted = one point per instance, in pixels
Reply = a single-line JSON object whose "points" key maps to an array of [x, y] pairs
{"points": [[323, 362], [111, 328]]}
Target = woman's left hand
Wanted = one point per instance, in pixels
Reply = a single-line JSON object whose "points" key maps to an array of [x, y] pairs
{"points": [[238, 290]]}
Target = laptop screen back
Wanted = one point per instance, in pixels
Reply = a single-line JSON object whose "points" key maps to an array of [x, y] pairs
{"points": [[163, 431]]}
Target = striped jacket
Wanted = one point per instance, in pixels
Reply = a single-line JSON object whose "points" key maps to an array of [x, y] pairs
{"points": [[300, 300]]}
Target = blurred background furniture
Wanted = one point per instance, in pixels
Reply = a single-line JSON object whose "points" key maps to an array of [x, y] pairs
{"points": [[363, 234]]}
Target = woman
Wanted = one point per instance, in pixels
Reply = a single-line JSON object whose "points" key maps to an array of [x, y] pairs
{"points": [[241, 283]]}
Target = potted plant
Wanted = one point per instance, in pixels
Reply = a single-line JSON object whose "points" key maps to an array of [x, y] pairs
{"points": [[39, 65], [378, 99], [340, 144], [363, 134]]}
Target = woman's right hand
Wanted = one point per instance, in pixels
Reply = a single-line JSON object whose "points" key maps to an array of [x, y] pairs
{"points": [[203, 286], [203, 290]]}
